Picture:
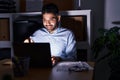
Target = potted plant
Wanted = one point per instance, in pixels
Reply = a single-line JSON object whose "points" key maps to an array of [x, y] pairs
{"points": [[109, 41]]}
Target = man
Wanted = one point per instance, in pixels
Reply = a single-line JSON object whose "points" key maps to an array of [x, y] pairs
{"points": [[62, 40]]}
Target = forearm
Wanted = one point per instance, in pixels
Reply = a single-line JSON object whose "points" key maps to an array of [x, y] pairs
{"points": [[69, 58]]}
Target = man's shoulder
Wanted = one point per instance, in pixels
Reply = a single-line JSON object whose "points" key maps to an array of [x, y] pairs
{"points": [[40, 30], [63, 29]]}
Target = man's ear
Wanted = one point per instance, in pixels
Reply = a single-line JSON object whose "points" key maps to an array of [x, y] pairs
{"points": [[59, 17]]}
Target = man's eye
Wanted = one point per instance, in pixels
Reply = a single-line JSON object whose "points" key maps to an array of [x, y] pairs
{"points": [[53, 18]]}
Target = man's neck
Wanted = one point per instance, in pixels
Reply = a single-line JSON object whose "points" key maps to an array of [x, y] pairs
{"points": [[51, 32]]}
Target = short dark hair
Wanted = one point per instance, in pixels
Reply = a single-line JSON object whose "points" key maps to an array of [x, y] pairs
{"points": [[50, 8]]}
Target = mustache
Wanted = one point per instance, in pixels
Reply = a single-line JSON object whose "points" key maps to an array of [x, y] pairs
{"points": [[48, 25]]}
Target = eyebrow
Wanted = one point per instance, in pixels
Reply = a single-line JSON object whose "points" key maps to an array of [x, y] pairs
{"points": [[54, 17]]}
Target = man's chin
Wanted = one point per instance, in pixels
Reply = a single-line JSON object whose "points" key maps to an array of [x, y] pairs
{"points": [[50, 29]]}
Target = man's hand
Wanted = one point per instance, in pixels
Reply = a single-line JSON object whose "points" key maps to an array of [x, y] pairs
{"points": [[55, 60], [28, 40]]}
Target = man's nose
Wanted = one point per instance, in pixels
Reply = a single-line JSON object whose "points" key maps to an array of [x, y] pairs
{"points": [[48, 22]]}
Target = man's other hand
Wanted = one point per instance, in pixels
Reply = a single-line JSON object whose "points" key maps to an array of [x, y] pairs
{"points": [[55, 60]]}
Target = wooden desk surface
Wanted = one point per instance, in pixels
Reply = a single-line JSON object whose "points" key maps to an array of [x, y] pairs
{"points": [[47, 74], [5, 68], [53, 74]]}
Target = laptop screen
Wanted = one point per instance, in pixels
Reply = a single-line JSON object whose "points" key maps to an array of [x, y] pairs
{"points": [[39, 53]]}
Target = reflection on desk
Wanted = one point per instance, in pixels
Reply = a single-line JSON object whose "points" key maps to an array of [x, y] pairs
{"points": [[54, 74], [77, 66], [6, 69]]}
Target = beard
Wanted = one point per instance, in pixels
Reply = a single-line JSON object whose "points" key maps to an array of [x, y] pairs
{"points": [[50, 27]]}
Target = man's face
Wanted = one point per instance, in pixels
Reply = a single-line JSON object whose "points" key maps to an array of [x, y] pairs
{"points": [[50, 21]]}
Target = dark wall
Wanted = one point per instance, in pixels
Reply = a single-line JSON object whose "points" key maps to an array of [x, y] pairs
{"points": [[5, 53]]}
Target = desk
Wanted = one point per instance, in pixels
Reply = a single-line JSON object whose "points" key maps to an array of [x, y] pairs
{"points": [[5, 68], [47, 74], [53, 74]]}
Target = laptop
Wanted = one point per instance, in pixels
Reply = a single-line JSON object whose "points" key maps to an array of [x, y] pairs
{"points": [[39, 53]]}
